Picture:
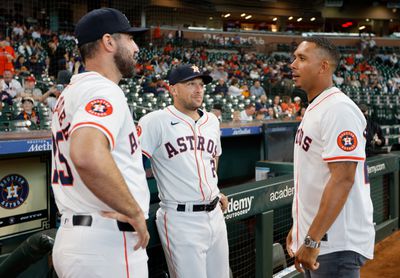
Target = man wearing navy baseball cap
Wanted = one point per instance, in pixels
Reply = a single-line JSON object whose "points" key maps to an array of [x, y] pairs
{"points": [[103, 231], [102, 24], [183, 144], [96, 23], [187, 72]]}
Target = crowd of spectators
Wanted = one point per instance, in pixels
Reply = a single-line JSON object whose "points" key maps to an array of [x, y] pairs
{"points": [[31, 58]]}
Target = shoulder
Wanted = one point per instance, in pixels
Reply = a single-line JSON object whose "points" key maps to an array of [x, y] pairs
{"points": [[153, 118], [93, 85], [342, 102], [341, 106], [211, 117]]}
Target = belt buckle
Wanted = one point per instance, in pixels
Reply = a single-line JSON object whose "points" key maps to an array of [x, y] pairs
{"points": [[82, 220]]}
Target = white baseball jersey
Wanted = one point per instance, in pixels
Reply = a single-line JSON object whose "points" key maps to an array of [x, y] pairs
{"points": [[332, 130], [91, 100], [182, 153], [13, 88]]}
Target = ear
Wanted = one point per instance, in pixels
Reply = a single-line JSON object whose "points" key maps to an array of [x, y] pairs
{"points": [[172, 90], [325, 66], [108, 43]]}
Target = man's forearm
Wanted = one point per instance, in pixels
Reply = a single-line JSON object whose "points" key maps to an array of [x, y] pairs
{"points": [[110, 187], [93, 160], [332, 202], [333, 199]]}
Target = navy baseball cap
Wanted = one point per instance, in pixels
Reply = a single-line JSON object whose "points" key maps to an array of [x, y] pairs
{"points": [[186, 72], [96, 23]]}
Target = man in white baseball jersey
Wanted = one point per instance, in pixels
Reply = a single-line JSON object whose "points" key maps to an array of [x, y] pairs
{"points": [[10, 85], [332, 233], [97, 172], [183, 144]]}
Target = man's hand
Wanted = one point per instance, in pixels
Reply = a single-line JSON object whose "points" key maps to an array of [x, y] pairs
{"points": [[223, 201], [376, 140], [289, 242], [138, 222], [306, 257]]}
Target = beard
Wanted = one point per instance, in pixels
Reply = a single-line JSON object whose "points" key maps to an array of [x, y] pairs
{"points": [[124, 62]]}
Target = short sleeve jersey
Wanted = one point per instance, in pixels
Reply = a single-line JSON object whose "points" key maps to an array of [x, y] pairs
{"points": [[91, 100], [332, 130], [182, 153]]}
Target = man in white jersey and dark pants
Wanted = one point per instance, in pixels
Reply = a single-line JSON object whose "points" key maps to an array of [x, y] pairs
{"points": [[183, 144], [333, 232], [97, 172]]}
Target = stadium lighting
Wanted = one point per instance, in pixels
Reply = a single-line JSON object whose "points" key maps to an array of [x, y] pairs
{"points": [[275, 19], [290, 17], [299, 19], [312, 19], [227, 15], [367, 19], [361, 27], [210, 18], [391, 20], [243, 15], [249, 16]]}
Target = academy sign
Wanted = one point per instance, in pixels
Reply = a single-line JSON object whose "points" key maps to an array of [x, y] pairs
{"points": [[238, 207]]}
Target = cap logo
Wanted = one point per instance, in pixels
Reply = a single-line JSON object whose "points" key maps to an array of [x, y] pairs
{"points": [[126, 18], [195, 69]]}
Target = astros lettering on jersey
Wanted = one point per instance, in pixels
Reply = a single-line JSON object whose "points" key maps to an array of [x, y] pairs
{"points": [[183, 158], [172, 137], [327, 135]]}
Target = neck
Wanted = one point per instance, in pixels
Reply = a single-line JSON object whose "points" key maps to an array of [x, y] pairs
{"points": [[191, 113], [100, 66], [322, 86]]}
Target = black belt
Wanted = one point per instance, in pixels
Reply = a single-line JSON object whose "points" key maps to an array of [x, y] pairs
{"points": [[86, 220], [201, 207]]}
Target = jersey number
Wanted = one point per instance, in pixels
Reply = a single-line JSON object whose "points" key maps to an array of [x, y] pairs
{"points": [[212, 162], [59, 175]]}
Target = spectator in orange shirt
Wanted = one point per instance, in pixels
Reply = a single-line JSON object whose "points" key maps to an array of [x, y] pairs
{"points": [[157, 33], [245, 90], [297, 103], [7, 56], [287, 105], [168, 48]]}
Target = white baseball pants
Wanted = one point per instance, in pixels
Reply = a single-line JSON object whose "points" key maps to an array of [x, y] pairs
{"points": [[195, 243], [99, 250]]}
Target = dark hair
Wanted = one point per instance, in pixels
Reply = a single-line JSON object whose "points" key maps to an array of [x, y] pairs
{"points": [[327, 46], [88, 50]]}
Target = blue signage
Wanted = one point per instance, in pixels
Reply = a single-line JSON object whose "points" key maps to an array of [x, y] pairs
{"points": [[25, 146]]}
